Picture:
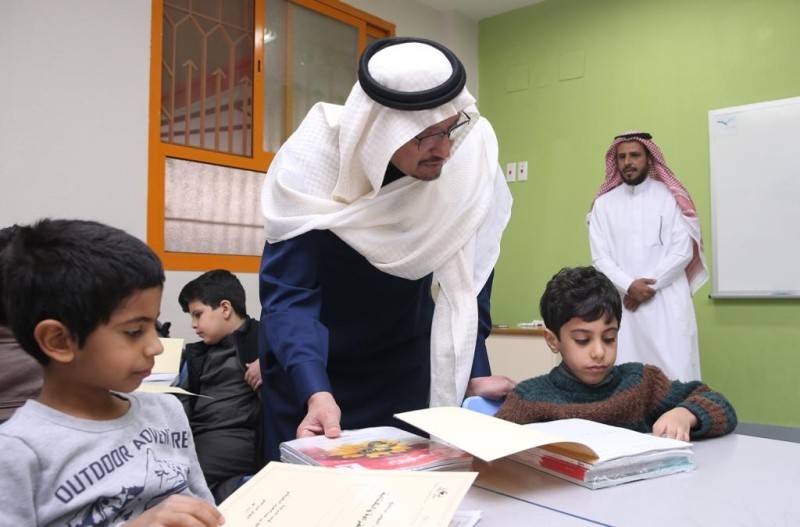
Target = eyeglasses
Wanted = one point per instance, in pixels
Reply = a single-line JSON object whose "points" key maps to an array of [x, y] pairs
{"points": [[431, 140]]}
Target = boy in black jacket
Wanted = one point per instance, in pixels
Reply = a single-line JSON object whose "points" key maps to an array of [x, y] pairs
{"points": [[223, 366]]}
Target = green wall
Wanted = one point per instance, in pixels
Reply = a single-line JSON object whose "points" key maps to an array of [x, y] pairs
{"points": [[559, 79]]}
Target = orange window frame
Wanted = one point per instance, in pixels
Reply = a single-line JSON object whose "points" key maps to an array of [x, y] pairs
{"points": [[159, 151]]}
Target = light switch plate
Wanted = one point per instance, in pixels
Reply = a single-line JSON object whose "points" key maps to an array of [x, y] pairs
{"points": [[511, 171], [522, 171]]}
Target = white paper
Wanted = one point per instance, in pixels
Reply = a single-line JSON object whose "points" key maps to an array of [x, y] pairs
{"points": [[169, 360], [167, 378], [490, 438], [158, 387], [608, 442], [483, 436], [283, 495], [466, 519]]}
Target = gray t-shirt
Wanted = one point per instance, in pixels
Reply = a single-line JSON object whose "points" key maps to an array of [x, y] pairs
{"points": [[56, 469]]}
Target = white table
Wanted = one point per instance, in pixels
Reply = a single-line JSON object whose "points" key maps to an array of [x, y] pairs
{"points": [[739, 481]]}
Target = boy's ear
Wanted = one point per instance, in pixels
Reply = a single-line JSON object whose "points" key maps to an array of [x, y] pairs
{"points": [[552, 341], [55, 340], [227, 309]]}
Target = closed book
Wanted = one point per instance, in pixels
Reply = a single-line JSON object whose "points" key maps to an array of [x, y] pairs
{"points": [[382, 448]]}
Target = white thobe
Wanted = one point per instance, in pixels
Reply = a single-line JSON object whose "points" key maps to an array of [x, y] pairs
{"points": [[640, 232]]}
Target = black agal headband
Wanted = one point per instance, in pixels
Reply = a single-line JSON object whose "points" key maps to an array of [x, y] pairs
{"points": [[635, 135], [419, 100]]}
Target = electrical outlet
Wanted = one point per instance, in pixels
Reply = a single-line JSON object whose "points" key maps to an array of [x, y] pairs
{"points": [[522, 171], [511, 171]]}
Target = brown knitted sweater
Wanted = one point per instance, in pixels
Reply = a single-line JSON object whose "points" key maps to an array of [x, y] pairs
{"points": [[633, 396]]}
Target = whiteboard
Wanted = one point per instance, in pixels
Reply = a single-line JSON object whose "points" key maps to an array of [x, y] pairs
{"points": [[755, 188]]}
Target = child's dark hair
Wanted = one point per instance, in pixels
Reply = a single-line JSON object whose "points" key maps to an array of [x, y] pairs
{"points": [[582, 292], [6, 235], [74, 271], [213, 287]]}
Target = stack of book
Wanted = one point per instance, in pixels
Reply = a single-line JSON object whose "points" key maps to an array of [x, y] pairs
{"points": [[584, 452], [619, 455], [382, 448]]}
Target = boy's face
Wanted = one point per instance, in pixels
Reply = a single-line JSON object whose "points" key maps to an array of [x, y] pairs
{"points": [[211, 324], [117, 355], [589, 349]]}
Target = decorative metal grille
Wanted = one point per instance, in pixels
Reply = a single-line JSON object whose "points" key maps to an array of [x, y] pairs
{"points": [[206, 75]]}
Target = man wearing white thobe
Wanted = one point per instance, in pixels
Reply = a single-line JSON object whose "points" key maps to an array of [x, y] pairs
{"points": [[645, 236]]}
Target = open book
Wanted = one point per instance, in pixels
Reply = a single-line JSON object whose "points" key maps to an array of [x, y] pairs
{"points": [[585, 452], [283, 495], [382, 447]]}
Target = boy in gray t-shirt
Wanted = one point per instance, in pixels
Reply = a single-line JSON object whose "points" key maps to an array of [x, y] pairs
{"points": [[82, 298]]}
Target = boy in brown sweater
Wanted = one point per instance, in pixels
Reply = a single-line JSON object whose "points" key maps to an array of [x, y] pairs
{"points": [[582, 313]]}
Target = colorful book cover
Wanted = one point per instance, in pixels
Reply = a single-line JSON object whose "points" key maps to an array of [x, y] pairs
{"points": [[384, 448]]}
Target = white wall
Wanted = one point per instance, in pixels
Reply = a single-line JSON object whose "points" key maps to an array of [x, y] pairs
{"points": [[73, 128]]}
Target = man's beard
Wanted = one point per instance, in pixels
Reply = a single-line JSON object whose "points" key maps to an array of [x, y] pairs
{"points": [[638, 179], [422, 175]]}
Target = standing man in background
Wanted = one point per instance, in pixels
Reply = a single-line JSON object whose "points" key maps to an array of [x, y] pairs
{"points": [[645, 236], [365, 206]]}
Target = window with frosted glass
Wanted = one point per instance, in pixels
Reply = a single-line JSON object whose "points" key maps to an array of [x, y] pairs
{"points": [[212, 209]]}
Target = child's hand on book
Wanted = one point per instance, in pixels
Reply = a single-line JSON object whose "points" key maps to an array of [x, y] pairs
{"points": [[491, 387], [179, 511], [675, 424]]}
